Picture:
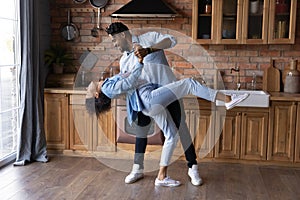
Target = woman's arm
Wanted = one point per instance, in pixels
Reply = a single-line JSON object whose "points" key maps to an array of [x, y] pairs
{"points": [[122, 83]]}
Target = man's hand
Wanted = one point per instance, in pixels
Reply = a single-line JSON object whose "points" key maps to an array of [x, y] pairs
{"points": [[139, 52]]}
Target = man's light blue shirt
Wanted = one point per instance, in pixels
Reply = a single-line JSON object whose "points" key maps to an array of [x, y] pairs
{"points": [[156, 68]]}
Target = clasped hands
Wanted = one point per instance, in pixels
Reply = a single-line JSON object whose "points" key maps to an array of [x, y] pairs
{"points": [[140, 52]]}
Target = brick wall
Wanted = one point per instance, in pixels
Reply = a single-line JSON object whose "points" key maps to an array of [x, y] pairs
{"points": [[250, 58]]}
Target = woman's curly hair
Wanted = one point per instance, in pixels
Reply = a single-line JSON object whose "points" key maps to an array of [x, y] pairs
{"points": [[98, 105]]}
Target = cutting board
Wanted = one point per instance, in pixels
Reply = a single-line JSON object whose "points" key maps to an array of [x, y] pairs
{"points": [[271, 79]]}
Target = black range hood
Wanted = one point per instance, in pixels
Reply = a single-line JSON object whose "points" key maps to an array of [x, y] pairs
{"points": [[139, 9]]}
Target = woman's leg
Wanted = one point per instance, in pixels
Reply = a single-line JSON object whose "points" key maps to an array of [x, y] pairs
{"points": [[168, 127], [166, 124], [160, 98]]}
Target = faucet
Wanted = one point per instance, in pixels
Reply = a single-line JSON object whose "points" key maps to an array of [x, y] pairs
{"points": [[238, 82]]}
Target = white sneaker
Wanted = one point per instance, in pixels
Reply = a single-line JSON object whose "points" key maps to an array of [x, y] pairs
{"points": [[167, 182], [236, 99], [194, 175], [135, 175]]}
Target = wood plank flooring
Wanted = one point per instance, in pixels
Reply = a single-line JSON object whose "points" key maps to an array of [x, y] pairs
{"points": [[66, 177]]}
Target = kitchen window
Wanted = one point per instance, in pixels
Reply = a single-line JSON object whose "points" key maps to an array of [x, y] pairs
{"points": [[9, 78]]}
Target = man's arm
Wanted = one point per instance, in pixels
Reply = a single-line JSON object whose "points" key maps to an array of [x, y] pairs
{"points": [[164, 43]]}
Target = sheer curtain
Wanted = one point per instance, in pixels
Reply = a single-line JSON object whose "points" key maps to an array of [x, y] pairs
{"points": [[31, 141]]}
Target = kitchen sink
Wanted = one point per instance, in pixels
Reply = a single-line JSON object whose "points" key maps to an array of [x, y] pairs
{"points": [[257, 98]]}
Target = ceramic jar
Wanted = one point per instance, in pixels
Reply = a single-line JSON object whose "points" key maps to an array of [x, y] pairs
{"points": [[292, 78], [254, 6]]}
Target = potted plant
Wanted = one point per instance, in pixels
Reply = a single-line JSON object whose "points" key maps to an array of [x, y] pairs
{"points": [[57, 57]]}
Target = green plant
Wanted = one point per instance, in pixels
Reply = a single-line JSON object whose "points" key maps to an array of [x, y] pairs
{"points": [[57, 54]]}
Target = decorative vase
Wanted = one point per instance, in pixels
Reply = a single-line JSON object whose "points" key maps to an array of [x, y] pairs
{"points": [[292, 78], [58, 68]]}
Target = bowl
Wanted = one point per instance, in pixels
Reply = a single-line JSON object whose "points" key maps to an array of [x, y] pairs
{"points": [[228, 34]]}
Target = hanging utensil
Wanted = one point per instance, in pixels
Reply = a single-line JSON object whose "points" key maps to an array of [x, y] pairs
{"points": [[94, 31], [70, 31], [79, 1], [98, 4]]}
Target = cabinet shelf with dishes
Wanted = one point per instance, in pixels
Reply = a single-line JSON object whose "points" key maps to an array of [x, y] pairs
{"points": [[244, 22]]}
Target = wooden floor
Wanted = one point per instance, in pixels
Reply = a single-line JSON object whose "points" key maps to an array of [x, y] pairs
{"points": [[67, 177]]}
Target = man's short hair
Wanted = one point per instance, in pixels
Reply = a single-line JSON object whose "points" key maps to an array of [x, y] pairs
{"points": [[115, 28]]}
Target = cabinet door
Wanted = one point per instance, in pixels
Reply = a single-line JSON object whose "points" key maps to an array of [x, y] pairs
{"points": [[297, 147], [254, 136], [282, 21], [230, 22], [202, 127], [80, 128], [255, 22], [204, 29], [56, 121], [228, 126], [282, 131], [104, 132]]}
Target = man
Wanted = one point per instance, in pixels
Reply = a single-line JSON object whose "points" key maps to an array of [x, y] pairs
{"points": [[152, 52]]}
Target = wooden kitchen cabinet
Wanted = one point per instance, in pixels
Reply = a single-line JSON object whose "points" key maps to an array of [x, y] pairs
{"points": [[243, 22], [202, 126], [297, 144], [200, 120], [228, 133], [282, 128], [69, 127], [254, 132], [80, 128], [282, 21], [104, 132], [241, 134], [56, 121]]}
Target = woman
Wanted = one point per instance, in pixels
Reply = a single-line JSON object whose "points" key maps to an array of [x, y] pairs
{"points": [[153, 101]]}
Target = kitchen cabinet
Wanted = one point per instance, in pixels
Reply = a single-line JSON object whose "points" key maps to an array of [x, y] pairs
{"points": [[200, 120], [241, 133], [282, 129], [297, 144], [70, 128], [56, 121], [243, 22], [282, 22], [80, 122], [271, 135], [104, 134]]}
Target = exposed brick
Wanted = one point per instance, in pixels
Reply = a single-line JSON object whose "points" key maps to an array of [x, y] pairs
{"points": [[187, 59]]}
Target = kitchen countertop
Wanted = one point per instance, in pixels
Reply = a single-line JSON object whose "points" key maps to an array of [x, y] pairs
{"points": [[283, 96], [274, 96], [66, 90]]}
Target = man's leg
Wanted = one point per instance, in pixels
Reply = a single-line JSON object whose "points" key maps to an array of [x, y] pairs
{"points": [[176, 110], [178, 115], [140, 148]]}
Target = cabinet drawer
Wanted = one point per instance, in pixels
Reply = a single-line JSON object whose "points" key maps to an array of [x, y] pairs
{"points": [[77, 99]]}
